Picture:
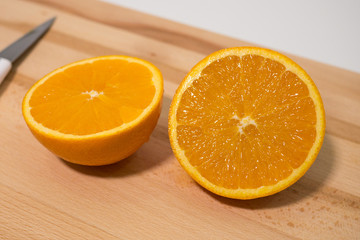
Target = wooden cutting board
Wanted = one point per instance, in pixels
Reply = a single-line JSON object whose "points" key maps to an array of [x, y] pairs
{"points": [[149, 196]]}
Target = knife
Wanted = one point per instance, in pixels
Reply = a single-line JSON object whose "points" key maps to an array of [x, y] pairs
{"points": [[10, 54]]}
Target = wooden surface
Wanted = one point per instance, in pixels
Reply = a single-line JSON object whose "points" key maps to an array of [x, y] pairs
{"points": [[149, 196]]}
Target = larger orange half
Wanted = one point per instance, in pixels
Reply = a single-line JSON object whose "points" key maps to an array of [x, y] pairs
{"points": [[246, 122]]}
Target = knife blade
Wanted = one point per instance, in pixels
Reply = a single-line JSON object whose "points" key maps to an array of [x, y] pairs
{"points": [[11, 53]]}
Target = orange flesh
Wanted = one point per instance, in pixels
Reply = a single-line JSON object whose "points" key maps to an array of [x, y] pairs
{"points": [[93, 97], [246, 122]]}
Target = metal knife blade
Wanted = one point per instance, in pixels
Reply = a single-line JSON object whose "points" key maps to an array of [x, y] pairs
{"points": [[16, 49]]}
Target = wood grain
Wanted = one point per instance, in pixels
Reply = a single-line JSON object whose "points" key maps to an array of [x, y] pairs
{"points": [[148, 195]]}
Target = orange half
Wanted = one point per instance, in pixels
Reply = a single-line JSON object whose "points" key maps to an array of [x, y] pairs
{"points": [[246, 122], [96, 111]]}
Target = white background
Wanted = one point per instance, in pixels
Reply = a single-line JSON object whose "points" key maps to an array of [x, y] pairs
{"points": [[325, 31]]}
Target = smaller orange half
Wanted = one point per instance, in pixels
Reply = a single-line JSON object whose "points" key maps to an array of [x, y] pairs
{"points": [[96, 111]]}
